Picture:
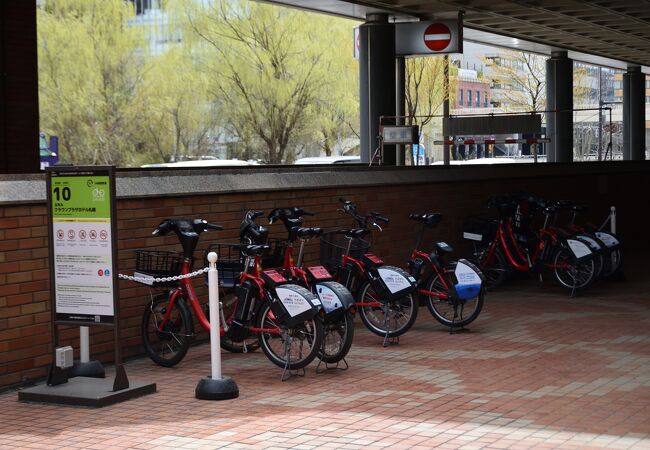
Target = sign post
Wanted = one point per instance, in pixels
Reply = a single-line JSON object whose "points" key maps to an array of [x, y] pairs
{"points": [[83, 248], [83, 283]]}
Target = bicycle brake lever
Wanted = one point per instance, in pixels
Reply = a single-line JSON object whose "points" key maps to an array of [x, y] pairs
{"points": [[155, 232], [377, 225]]}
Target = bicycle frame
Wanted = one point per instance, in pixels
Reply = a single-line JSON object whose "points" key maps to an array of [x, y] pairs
{"points": [[512, 250], [360, 271], [431, 268], [187, 291]]}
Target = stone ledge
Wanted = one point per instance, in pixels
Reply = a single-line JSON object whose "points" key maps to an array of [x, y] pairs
{"points": [[136, 183]]}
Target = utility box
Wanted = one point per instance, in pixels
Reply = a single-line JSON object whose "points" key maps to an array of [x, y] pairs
{"points": [[64, 357]]}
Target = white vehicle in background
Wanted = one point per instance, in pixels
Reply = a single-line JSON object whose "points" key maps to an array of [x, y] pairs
{"points": [[203, 163], [328, 160]]}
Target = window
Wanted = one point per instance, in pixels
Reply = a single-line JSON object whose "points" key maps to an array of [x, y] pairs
{"points": [[485, 100], [647, 83], [478, 99], [617, 84], [460, 98], [469, 97], [647, 99]]}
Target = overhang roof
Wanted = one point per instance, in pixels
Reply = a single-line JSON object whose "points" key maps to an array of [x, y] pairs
{"points": [[618, 30]]}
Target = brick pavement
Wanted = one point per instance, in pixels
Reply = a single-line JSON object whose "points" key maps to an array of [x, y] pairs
{"points": [[537, 370]]}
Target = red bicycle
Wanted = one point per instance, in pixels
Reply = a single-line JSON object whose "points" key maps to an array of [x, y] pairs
{"points": [[453, 292], [338, 303], [498, 251], [282, 315], [383, 294]]}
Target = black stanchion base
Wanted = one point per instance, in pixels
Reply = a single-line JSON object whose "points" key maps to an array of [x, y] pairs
{"points": [[218, 389], [92, 369]]}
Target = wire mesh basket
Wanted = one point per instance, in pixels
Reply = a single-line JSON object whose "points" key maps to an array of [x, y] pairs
{"points": [[230, 263], [333, 246], [158, 264]]}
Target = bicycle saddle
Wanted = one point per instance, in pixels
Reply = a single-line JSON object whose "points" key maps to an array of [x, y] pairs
{"points": [[254, 250], [354, 233], [427, 218], [305, 233], [443, 247]]}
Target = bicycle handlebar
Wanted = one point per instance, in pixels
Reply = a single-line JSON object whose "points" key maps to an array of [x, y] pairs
{"points": [[184, 226]]}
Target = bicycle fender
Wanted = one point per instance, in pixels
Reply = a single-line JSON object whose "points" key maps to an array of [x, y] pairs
{"points": [[609, 239], [336, 299], [579, 249], [470, 280], [391, 283], [293, 304]]}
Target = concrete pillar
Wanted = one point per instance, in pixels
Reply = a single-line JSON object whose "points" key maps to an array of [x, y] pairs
{"points": [[18, 88], [634, 114], [376, 80], [559, 97], [400, 100]]}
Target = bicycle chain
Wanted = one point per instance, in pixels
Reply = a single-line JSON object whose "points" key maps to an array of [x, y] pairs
{"points": [[151, 280]]}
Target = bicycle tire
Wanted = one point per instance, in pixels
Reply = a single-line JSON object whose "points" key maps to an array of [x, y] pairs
{"points": [[229, 303], [578, 276], [271, 344], [337, 339], [498, 269], [613, 263], [440, 309], [168, 347], [374, 318]]}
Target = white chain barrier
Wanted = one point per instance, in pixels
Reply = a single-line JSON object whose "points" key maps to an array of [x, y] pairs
{"points": [[138, 278]]}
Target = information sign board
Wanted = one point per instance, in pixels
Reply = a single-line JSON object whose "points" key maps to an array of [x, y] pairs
{"points": [[82, 250]]}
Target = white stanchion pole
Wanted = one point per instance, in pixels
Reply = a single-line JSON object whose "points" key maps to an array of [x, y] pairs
{"points": [[84, 345], [215, 338], [216, 386], [612, 219]]}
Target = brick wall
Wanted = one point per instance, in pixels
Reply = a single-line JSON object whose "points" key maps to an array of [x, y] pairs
{"points": [[25, 299]]}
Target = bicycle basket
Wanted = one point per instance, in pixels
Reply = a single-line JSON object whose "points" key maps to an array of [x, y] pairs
{"points": [[333, 246], [158, 264], [479, 228], [230, 263]]}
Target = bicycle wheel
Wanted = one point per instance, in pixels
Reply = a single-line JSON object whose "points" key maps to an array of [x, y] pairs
{"points": [[167, 347], [394, 317], [496, 271], [228, 305], [613, 263], [337, 339], [465, 312], [290, 348], [570, 274]]}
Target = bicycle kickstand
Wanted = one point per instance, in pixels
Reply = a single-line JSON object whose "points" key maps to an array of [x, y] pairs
{"points": [[327, 365], [286, 372], [387, 339], [336, 366]]}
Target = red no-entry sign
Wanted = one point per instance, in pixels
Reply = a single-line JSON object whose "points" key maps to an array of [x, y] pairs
{"points": [[429, 37], [437, 37]]}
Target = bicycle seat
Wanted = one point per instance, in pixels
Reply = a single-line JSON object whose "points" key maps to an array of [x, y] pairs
{"points": [[305, 233], [443, 247], [254, 250], [429, 219], [354, 233]]}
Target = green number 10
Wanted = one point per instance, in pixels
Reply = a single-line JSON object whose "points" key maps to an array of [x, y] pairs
{"points": [[65, 193]]}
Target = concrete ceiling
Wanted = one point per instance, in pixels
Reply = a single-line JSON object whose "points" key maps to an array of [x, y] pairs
{"points": [[618, 30]]}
